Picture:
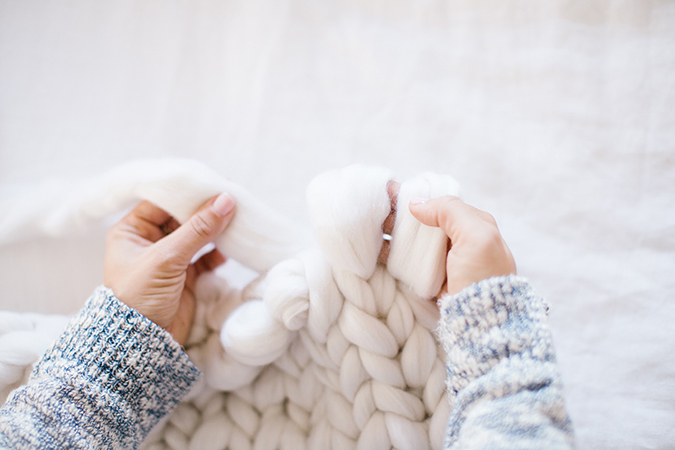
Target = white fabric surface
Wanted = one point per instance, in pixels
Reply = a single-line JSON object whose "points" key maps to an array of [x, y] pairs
{"points": [[558, 117]]}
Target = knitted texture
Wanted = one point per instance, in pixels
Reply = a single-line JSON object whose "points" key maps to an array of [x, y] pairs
{"points": [[23, 339], [505, 410], [358, 385], [502, 380], [327, 349], [104, 383]]}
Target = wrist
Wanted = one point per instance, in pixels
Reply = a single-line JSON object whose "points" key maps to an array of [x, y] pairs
{"points": [[112, 352], [489, 321]]}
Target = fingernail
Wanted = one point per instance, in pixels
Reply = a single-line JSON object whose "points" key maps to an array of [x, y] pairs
{"points": [[223, 204], [417, 200]]}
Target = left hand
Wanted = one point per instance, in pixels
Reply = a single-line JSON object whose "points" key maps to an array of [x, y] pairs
{"points": [[147, 261]]}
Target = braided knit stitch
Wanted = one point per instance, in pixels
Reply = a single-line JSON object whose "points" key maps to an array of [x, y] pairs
{"points": [[327, 349], [498, 408], [332, 351]]}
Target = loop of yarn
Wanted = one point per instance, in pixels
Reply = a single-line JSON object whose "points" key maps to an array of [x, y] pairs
{"points": [[327, 349], [347, 208], [258, 236], [23, 339], [416, 242]]}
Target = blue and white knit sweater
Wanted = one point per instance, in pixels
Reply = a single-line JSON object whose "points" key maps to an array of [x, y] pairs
{"points": [[502, 371], [114, 374]]}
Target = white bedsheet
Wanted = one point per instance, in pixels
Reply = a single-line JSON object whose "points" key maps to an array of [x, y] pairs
{"points": [[558, 117]]}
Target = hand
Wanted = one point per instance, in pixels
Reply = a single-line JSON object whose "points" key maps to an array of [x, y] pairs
{"points": [[477, 250], [147, 261], [388, 225]]}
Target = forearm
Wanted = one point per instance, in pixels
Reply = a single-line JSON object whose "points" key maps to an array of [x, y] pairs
{"points": [[502, 374], [104, 384]]}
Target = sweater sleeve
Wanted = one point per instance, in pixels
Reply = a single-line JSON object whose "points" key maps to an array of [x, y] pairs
{"points": [[110, 377], [503, 379]]}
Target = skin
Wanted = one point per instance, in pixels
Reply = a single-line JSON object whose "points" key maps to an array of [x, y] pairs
{"points": [[476, 249], [148, 253], [147, 261]]}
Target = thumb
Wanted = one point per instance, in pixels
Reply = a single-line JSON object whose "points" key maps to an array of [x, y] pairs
{"points": [[452, 215], [449, 213], [444, 212], [202, 228]]}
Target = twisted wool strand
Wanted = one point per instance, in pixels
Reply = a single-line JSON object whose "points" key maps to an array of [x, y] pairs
{"points": [[23, 339], [327, 349]]}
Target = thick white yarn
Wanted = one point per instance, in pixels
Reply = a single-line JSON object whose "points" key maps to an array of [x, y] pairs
{"points": [[326, 350], [23, 339]]}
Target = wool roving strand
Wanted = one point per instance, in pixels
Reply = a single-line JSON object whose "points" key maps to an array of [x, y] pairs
{"points": [[258, 236], [23, 339], [327, 349], [357, 365]]}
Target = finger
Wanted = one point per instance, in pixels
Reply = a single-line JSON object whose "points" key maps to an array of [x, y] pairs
{"points": [[182, 321], [514, 267], [393, 188], [448, 212], [444, 288], [202, 228], [170, 226], [206, 263], [145, 221], [150, 213], [191, 278], [210, 261]]}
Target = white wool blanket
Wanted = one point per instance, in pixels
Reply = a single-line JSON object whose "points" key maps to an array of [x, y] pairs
{"points": [[558, 117], [325, 349]]}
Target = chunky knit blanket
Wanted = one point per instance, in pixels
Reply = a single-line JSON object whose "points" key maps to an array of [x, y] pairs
{"points": [[326, 349]]}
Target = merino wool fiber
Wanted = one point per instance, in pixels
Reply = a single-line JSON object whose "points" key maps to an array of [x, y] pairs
{"points": [[326, 349]]}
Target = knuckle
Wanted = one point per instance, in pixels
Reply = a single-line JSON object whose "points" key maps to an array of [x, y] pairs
{"points": [[444, 205], [489, 218], [448, 201], [201, 226], [492, 236], [113, 234], [165, 257], [486, 238], [110, 236]]}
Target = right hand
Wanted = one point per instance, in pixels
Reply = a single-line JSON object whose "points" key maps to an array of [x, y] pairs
{"points": [[477, 250]]}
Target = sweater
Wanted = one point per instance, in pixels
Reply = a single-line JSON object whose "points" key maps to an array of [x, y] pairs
{"points": [[113, 374], [503, 379]]}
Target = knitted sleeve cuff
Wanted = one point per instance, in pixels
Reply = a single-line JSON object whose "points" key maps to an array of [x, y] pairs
{"points": [[131, 371], [492, 320]]}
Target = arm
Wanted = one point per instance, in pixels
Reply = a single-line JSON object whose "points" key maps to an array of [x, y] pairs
{"points": [[105, 383], [503, 381], [119, 366], [501, 368]]}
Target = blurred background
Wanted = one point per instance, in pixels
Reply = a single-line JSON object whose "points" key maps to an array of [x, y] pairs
{"points": [[558, 117]]}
